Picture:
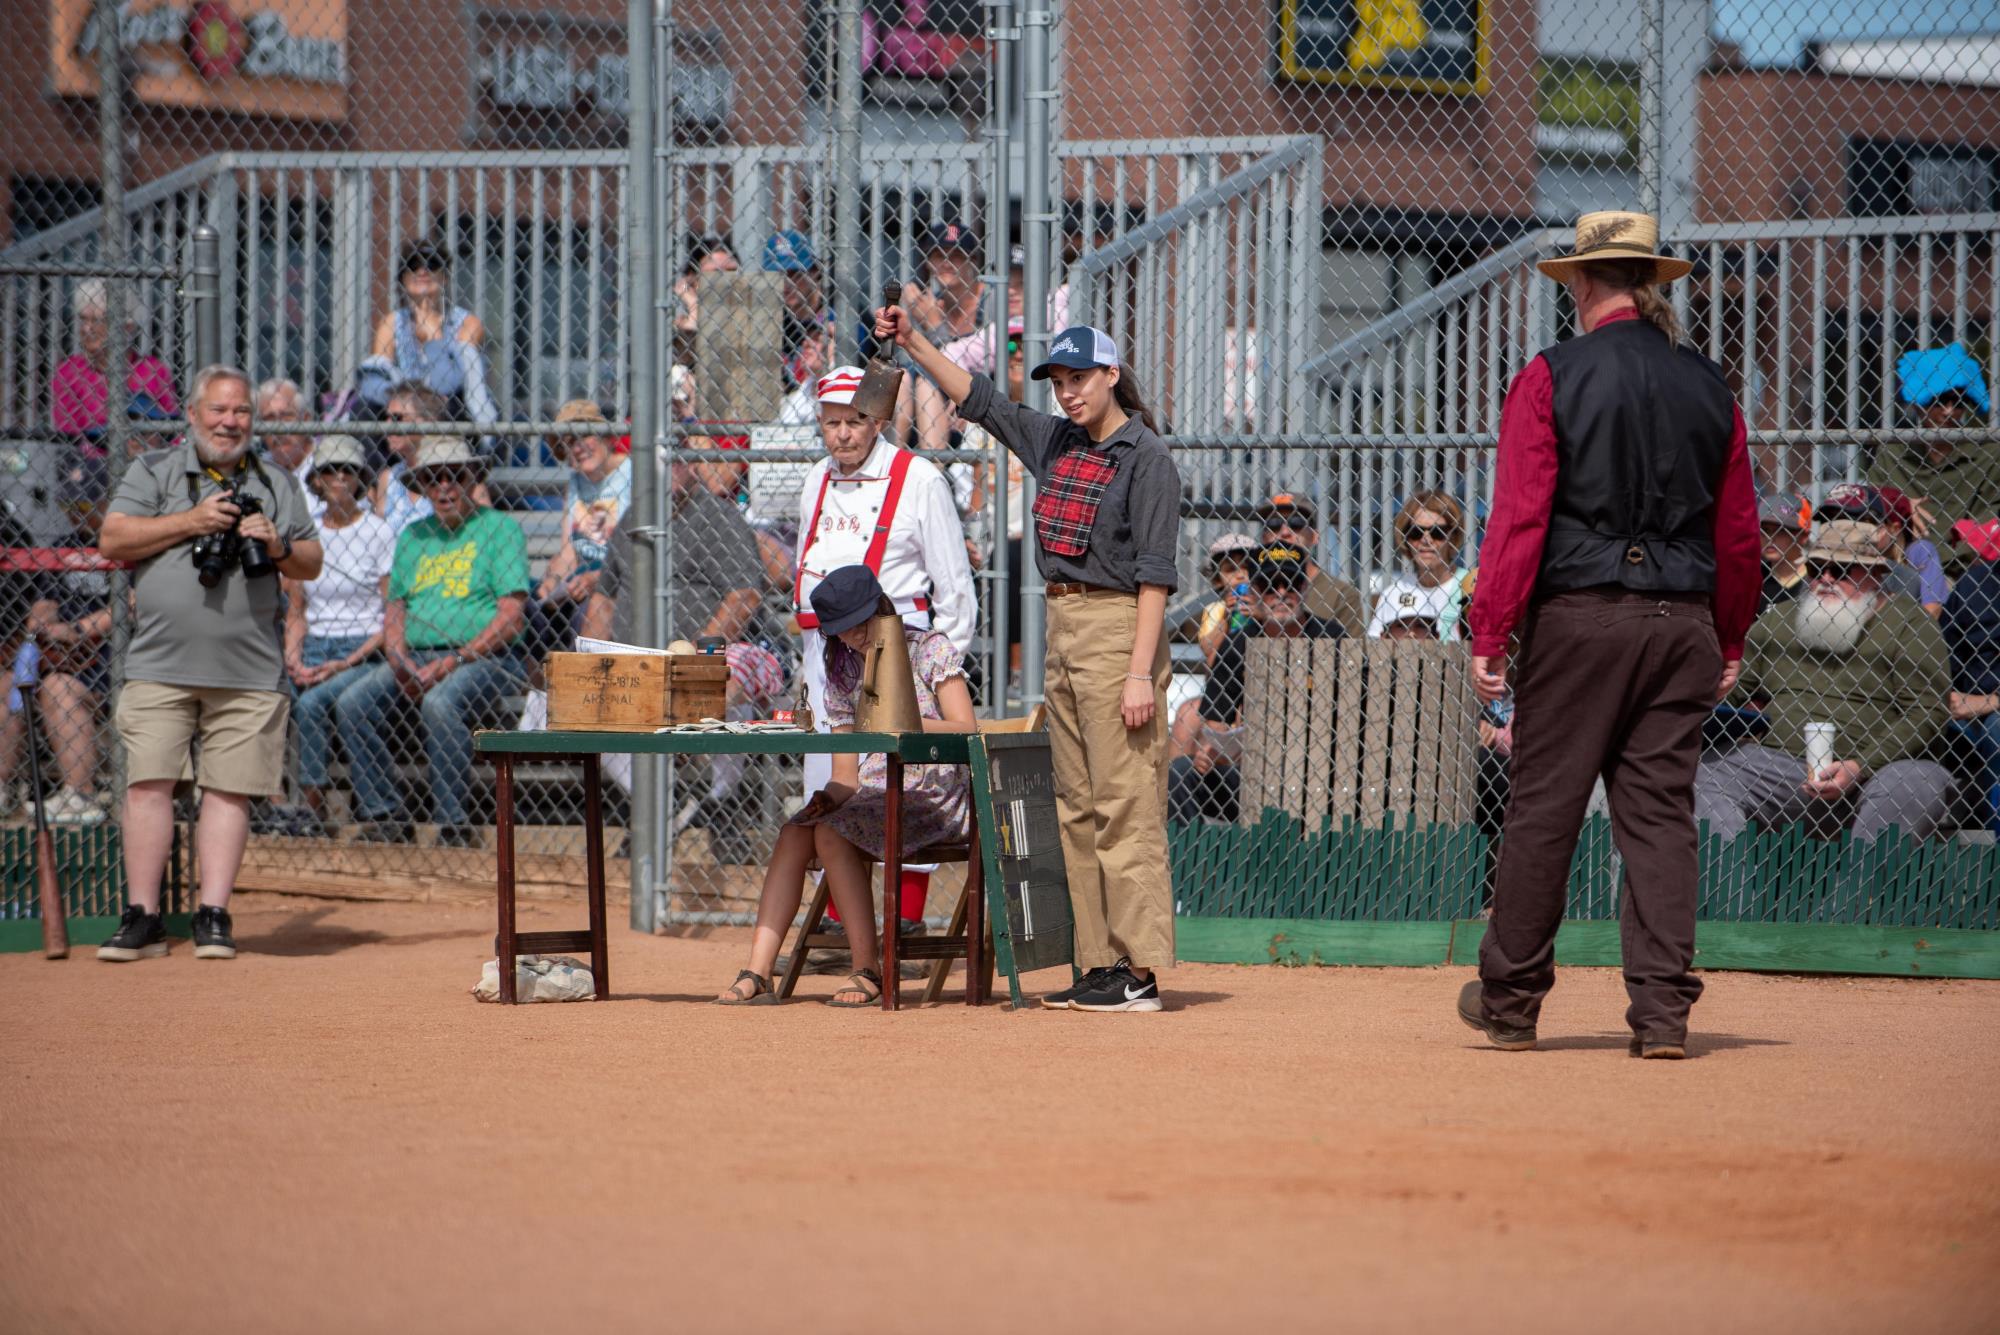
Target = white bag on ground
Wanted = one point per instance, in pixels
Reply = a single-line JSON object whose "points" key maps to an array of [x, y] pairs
{"points": [[539, 978]]}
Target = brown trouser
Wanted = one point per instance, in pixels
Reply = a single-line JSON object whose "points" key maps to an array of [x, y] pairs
{"points": [[1615, 684], [1111, 782]]}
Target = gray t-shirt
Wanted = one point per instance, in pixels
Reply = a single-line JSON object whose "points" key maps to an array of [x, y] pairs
{"points": [[184, 635], [715, 554]]}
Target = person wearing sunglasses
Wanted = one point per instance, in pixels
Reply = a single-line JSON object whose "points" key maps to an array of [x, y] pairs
{"points": [[1430, 528], [397, 498], [1848, 654]]}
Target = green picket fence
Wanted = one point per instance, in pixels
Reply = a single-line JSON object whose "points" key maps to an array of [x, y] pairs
{"points": [[1276, 870]]}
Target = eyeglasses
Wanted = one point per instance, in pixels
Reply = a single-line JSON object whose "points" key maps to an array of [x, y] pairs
{"points": [[1435, 532], [401, 417], [1844, 574]]}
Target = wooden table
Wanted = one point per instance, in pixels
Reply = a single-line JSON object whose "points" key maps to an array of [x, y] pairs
{"points": [[588, 748]]}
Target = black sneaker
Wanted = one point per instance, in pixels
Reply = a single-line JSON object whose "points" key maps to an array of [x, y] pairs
{"points": [[460, 836], [1060, 1001], [386, 832], [1658, 1049], [140, 936], [1507, 1037], [212, 940], [1119, 989]]}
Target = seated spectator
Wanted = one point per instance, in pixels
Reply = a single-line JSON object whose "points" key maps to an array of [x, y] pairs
{"points": [[1228, 570], [279, 400], [1289, 522], [1786, 519], [333, 624], [1946, 481], [1915, 569], [430, 340], [1204, 783], [79, 392], [1234, 606], [457, 589], [1430, 529], [70, 620], [1870, 664], [598, 495], [396, 495], [1414, 627], [1971, 626], [803, 293]]}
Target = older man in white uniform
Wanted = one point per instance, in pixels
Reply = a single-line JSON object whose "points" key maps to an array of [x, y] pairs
{"points": [[872, 503]]}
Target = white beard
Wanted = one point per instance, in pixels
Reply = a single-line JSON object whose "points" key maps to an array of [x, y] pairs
{"points": [[1832, 625]]}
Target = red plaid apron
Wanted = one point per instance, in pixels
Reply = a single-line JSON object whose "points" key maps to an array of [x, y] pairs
{"points": [[1066, 507]]}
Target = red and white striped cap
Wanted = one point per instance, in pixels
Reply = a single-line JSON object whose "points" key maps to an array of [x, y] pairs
{"points": [[838, 385]]}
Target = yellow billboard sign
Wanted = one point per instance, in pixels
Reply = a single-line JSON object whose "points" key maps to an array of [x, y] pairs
{"points": [[280, 58]]}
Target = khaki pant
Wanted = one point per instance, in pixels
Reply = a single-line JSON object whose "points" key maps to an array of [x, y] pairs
{"points": [[242, 736], [1111, 783]]}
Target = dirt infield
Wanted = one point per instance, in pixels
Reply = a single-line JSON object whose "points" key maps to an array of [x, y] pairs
{"points": [[330, 1135]]}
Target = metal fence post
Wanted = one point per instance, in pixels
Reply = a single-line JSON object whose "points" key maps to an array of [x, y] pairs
{"points": [[847, 182], [641, 302], [112, 247], [1038, 222], [1652, 75], [204, 289], [999, 109]]}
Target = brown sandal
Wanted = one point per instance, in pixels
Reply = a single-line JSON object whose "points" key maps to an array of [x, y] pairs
{"points": [[760, 991], [866, 981]]}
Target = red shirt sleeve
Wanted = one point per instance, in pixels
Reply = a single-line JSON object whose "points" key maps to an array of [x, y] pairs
{"points": [[1524, 487], [1739, 548]]}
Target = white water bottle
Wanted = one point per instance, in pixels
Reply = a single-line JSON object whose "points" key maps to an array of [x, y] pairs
{"points": [[1819, 748]]}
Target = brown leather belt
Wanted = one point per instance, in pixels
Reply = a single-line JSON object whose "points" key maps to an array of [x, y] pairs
{"points": [[1069, 590]]}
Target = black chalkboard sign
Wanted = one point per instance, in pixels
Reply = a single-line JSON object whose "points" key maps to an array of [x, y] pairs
{"points": [[1020, 839]]}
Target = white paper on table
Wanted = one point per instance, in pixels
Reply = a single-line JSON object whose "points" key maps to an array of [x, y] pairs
{"points": [[586, 645]]}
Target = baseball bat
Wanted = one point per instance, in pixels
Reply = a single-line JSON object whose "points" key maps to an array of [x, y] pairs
{"points": [[55, 924]]}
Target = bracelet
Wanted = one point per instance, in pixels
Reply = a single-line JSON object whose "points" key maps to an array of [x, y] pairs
{"points": [[1138, 676]]}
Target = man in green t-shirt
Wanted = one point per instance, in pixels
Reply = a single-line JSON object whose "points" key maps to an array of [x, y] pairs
{"points": [[457, 593]]}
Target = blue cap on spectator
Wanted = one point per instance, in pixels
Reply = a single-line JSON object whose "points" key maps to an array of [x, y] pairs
{"points": [[788, 252], [845, 598], [1079, 347], [1930, 373], [951, 236]]}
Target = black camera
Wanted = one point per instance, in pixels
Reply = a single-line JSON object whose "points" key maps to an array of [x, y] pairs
{"points": [[215, 553]]}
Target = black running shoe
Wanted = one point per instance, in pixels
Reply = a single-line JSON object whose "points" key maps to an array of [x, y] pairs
{"points": [[1119, 989], [212, 940], [140, 936], [1060, 1001]]}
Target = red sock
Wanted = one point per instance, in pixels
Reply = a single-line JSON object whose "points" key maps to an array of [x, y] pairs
{"points": [[911, 894]]}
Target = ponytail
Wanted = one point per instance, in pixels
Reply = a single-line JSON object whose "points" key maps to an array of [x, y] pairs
{"points": [[1636, 278], [1128, 397]]}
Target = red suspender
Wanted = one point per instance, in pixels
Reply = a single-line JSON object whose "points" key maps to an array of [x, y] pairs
{"points": [[812, 536], [899, 471]]}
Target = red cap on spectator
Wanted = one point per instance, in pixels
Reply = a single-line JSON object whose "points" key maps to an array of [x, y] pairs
{"points": [[1984, 539]]}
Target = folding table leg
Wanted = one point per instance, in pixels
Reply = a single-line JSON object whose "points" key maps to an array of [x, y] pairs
{"points": [[503, 855], [975, 922], [892, 880], [593, 863]]}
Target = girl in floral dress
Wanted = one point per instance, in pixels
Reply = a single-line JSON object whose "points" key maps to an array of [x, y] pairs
{"points": [[844, 820]]}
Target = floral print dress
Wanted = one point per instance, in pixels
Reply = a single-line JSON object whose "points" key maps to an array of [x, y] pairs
{"points": [[937, 799]]}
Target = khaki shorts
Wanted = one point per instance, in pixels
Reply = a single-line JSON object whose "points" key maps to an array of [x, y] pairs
{"points": [[242, 736]]}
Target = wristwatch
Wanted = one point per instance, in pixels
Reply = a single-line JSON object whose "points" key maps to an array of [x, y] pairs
{"points": [[286, 552]]}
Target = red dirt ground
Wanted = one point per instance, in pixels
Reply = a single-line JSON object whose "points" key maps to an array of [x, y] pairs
{"points": [[331, 1135]]}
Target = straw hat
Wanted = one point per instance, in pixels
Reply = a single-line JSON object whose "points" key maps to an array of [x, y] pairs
{"points": [[1613, 235], [341, 452], [1847, 542], [434, 452]]}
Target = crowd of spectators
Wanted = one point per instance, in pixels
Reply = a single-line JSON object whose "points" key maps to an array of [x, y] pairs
{"points": [[1881, 607]]}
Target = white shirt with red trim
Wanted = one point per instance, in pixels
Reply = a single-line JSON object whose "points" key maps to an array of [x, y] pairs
{"points": [[924, 560]]}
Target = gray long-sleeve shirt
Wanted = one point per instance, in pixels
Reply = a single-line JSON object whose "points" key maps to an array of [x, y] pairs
{"points": [[1138, 518]]}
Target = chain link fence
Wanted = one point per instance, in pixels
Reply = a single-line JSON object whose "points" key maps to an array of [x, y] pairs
{"points": [[1311, 226]]}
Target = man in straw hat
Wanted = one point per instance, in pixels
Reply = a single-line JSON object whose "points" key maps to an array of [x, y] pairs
{"points": [[458, 589], [1624, 545]]}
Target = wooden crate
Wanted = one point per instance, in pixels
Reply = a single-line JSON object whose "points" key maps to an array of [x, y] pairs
{"points": [[1372, 733], [634, 692]]}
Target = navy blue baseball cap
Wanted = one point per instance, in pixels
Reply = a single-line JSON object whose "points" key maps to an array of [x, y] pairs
{"points": [[788, 252], [845, 598], [1079, 347]]}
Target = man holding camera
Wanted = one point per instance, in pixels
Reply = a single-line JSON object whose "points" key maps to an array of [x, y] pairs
{"points": [[209, 529]]}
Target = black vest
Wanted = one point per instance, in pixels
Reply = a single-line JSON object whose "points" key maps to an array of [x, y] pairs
{"points": [[1643, 430]]}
